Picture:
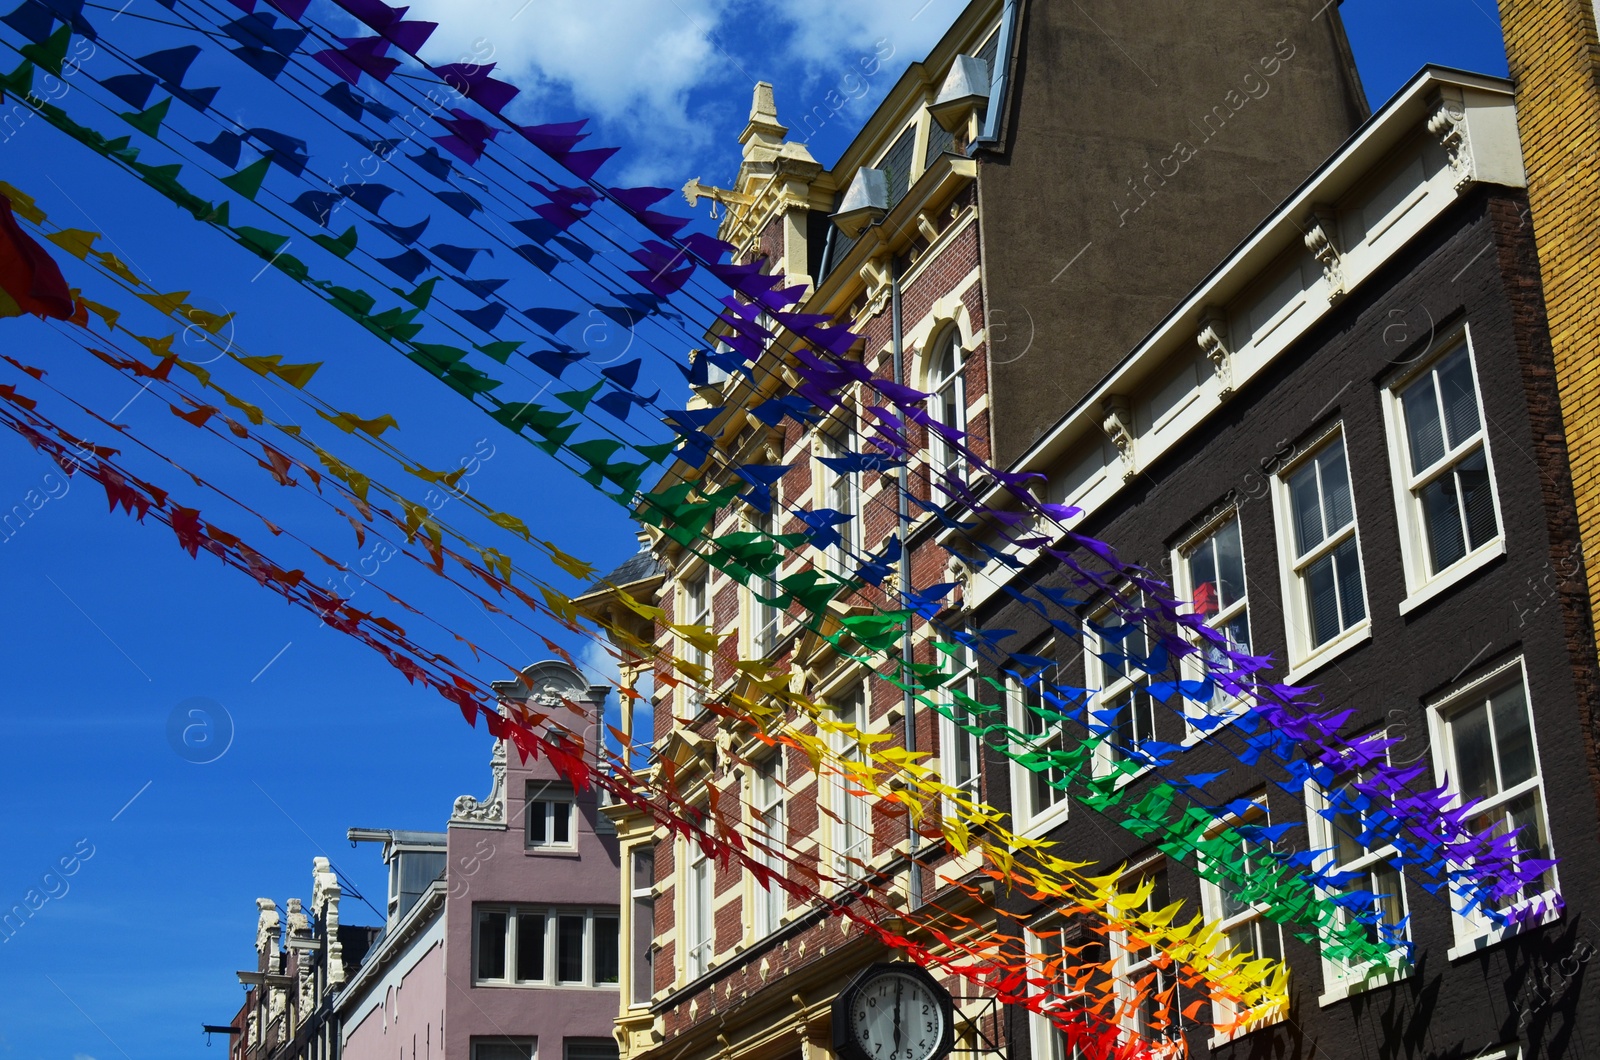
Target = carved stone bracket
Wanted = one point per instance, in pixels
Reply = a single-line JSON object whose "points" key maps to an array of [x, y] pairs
{"points": [[1118, 425], [1448, 121], [325, 894], [1213, 341], [1322, 239], [492, 808]]}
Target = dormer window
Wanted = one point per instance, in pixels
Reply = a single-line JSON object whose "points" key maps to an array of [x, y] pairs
{"points": [[549, 816]]}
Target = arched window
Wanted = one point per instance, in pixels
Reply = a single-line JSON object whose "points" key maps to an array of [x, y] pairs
{"points": [[947, 383]]}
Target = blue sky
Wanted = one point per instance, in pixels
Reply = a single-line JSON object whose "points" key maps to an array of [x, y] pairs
{"points": [[110, 629]]}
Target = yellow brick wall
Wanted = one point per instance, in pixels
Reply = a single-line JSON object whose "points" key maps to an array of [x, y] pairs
{"points": [[1554, 55]]}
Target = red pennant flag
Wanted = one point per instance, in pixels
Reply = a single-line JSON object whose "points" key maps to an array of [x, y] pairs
{"points": [[29, 276]]}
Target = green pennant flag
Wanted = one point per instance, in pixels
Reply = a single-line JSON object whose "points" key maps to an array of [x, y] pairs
{"points": [[396, 323], [437, 356], [18, 83], [340, 247], [352, 302], [148, 121], [499, 351], [51, 52], [628, 475], [422, 295], [260, 242], [248, 181], [812, 588], [656, 453], [556, 437], [579, 399], [596, 451], [465, 379]]}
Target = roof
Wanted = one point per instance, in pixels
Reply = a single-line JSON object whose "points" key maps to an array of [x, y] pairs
{"points": [[636, 568]]}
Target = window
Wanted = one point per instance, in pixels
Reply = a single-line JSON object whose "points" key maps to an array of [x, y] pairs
{"points": [[1145, 979], [1066, 950], [697, 612], [1444, 481], [852, 845], [590, 1049], [764, 617], [1045, 729], [1125, 710], [844, 494], [541, 946], [549, 815], [962, 752], [1211, 575], [1325, 585], [642, 861], [1485, 748], [1336, 818], [698, 925], [1244, 928], [772, 836], [504, 1048], [948, 385]]}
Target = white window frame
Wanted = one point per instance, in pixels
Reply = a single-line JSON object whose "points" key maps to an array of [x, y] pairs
{"points": [[1423, 583], [1130, 970], [1194, 668], [766, 620], [1340, 979], [1050, 1042], [1026, 785], [941, 456], [642, 899], [851, 830], [1473, 931], [545, 800], [1211, 904], [1303, 655], [696, 612], [699, 909], [953, 739], [769, 825], [551, 915], [1104, 692], [840, 437]]}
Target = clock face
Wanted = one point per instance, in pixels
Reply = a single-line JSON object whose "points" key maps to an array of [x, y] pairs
{"points": [[896, 1016]]}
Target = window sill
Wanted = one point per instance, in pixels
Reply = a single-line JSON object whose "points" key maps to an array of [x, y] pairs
{"points": [[549, 852], [1359, 982], [1273, 1015], [1041, 823], [1464, 569], [1345, 642], [1555, 909]]}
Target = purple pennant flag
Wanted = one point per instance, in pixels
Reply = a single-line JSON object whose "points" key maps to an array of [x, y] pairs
{"points": [[469, 136], [638, 200], [558, 138], [898, 393], [707, 248], [474, 82], [359, 56], [584, 164], [295, 9], [388, 22]]}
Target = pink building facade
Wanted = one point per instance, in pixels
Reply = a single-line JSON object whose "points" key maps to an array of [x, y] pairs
{"points": [[502, 933]]}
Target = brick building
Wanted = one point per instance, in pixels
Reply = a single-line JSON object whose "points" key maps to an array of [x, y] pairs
{"points": [[1018, 212]]}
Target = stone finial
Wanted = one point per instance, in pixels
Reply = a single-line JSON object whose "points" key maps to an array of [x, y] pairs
{"points": [[299, 922], [325, 894], [267, 925], [764, 133]]}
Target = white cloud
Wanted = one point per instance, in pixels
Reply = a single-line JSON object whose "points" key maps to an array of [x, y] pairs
{"points": [[617, 57], [829, 34]]}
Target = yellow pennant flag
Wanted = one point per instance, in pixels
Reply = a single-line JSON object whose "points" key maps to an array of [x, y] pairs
{"points": [[507, 521], [22, 203], [106, 313], [161, 347], [114, 265], [167, 304], [349, 422], [75, 241], [210, 323], [252, 413], [571, 564]]}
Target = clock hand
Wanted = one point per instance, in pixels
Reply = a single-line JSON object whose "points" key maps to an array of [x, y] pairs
{"points": [[899, 988]]}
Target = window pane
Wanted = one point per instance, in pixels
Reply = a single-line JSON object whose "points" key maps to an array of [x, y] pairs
{"points": [[1237, 631], [1337, 511], [1441, 516], [538, 822], [1523, 812], [1303, 498], [502, 1049], [1476, 499], [1203, 576], [1390, 903], [1512, 739], [1346, 826], [561, 818], [1351, 599], [1474, 756], [1460, 397], [605, 949], [569, 949], [1230, 565], [1323, 601], [592, 1049], [1424, 435], [644, 868], [530, 947], [491, 945]]}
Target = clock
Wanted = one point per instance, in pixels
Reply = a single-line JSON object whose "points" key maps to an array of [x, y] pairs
{"points": [[893, 1011]]}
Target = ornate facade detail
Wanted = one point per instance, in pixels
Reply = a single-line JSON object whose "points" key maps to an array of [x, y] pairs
{"points": [[268, 924], [1448, 122], [1118, 426], [325, 895], [1322, 239], [1213, 340], [299, 922], [492, 808]]}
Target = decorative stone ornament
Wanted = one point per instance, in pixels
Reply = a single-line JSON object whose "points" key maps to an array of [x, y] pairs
{"points": [[491, 810], [1118, 426], [1322, 239], [1448, 122], [1213, 342]]}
